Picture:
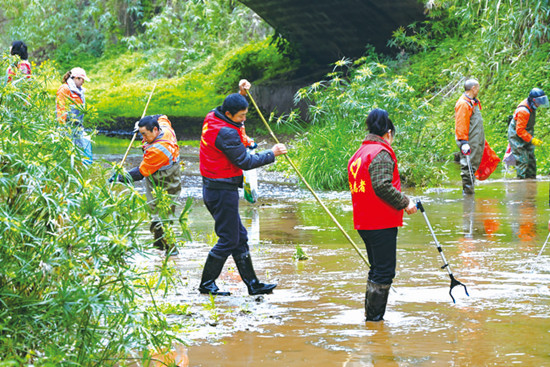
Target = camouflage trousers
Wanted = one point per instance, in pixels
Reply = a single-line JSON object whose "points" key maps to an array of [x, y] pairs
{"points": [[526, 163]]}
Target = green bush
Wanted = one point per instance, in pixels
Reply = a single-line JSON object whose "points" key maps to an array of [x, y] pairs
{"points": [[69, 294], [503, 45]]}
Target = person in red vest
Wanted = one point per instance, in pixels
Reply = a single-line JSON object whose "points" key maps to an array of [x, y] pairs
{"points": [[160, 167], [223, 157], [378, 205], [19, 48]]}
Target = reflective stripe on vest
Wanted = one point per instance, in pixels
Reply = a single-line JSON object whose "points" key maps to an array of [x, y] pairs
{"points": [[167, 153]]}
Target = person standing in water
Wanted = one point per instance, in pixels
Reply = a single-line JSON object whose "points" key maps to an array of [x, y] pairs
{"points": [[70, 103], [378, 205], [223, 157]]}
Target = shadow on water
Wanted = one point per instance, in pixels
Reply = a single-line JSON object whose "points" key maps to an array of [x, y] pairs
{"points": [[315, 315]]}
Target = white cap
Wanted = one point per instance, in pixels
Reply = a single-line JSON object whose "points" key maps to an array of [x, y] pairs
{"points": [[79, 73]]}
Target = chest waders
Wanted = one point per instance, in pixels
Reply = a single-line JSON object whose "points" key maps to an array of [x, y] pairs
{"points": [[476, 139], [524, 152]]}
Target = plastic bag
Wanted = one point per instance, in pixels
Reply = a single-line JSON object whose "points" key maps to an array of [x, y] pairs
{"points": [[509, 159], [250, 184], [489, 163], [85, 143]]}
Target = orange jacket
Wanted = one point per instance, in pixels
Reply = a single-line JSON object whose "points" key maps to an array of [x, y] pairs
{"points": [[64, 94], [163, 152], [522, 115], [463, 112]]}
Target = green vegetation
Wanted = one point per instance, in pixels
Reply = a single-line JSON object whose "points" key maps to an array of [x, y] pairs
{"points": [[69, 294], [300, 254], [194, 51], [502, 44]]}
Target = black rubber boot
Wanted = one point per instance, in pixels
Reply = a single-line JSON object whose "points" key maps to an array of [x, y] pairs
{"points": [[158, 233], [160, 242], [246, 270], [376, 299], [172, 250], [468, 189], [212, 269]]}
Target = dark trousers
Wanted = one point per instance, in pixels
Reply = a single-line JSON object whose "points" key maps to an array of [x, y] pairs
{"points": [[232, 236], [381, 247]]}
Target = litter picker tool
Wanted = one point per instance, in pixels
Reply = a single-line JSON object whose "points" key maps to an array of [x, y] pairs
{"points": [[470, 170], [545, 242], [454, 282], [308, 186]]}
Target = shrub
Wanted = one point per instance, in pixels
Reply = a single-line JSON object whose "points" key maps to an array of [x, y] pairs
{"points": [[69, 292]]}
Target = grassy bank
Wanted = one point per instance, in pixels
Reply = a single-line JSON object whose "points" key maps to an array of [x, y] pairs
{"points": [[504, 46]]}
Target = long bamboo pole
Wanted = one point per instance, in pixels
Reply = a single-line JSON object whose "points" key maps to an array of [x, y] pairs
{"points": [[308, 186], [135, 132]]}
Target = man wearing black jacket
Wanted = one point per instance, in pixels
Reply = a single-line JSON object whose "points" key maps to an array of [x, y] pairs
{"points": [[223, 156]]}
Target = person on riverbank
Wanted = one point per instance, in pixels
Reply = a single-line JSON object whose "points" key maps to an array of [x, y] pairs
{"points": [[161, 169], [378, 205], [469, 134], [521, 133], [70, 103], [223, 156], [19, 48]]}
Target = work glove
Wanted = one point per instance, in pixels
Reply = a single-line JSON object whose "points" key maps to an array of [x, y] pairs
{"points": [[536, 142], [112, 178], [465, 149], [126, 178]]}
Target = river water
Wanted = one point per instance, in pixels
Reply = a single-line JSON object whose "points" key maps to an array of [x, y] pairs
{"points": [[315, 317]]}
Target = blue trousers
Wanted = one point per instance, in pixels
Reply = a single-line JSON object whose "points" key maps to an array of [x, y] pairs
{"points": [[381, 247], [223, 205]]}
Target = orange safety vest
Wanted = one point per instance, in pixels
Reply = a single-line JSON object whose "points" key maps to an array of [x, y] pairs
{"points": [[524, 122], [64, 93], [463, 111], [163, 152]]}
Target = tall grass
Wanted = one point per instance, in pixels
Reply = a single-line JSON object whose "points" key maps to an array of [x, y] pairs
{"points": [[502, 43], [68, 293]]}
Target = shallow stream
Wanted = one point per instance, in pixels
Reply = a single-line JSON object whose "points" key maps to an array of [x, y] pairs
{"points": [[315, 316]]}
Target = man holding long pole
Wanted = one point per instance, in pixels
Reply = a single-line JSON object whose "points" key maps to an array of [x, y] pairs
{"points": [[160, 168], [223, 156]]}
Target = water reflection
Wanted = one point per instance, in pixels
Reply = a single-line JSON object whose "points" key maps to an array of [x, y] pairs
{"points": [[522, 211], [315, 316]]}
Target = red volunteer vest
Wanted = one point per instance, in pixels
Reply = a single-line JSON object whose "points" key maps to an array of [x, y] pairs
{"points": [[369, 210], [213, 162]]}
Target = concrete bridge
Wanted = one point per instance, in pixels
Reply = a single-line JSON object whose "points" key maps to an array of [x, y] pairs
{"points": [[327, 30]]}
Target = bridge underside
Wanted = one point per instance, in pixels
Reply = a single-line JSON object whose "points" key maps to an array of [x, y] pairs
{"points": [[327, 30]]}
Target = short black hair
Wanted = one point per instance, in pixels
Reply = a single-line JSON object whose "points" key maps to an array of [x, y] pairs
{"points": [[19, 48], [379, 123], [150, 122], [234, 103]]}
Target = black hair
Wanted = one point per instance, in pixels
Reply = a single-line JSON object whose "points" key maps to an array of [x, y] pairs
{"points": [[19, 48], [234, 103], [379, 123], [150, 122]]}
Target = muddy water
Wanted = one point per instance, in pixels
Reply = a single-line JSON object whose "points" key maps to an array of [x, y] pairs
{"points": [[315, 315]]}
